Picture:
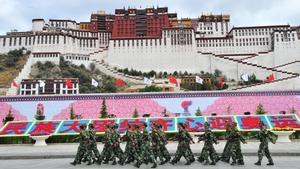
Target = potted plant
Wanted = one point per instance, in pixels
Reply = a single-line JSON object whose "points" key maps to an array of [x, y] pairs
{"points": [[40, 137], [39, 115], [283, 134]]}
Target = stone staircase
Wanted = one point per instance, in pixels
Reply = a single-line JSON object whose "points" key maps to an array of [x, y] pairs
{"points": [[24, 74], [290, 75]]}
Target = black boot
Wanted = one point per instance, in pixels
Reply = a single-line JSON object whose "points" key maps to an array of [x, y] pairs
{"points": [[99, 162], [270, 163], [114, 162], [154, 165], [173, 162], [73, 163], [241, 163], [233, 163], [206, 162], [212, 163], [89, 163], [200, 160], [188, 163], [162, 163], [128, 161], [137, 165], [257, 163]]}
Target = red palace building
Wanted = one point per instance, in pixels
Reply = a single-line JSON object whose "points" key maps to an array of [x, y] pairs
{"points": [[133, 22], [140, 22]]}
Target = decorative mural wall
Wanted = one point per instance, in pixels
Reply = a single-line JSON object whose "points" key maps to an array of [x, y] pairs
{"points": [[150, 104]]}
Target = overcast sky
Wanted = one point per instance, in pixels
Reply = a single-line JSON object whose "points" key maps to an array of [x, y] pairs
{"points": [[17, 14]]}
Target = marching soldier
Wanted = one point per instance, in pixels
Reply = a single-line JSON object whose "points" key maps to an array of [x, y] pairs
{"points": [[162, 145], [183, 148], [146, 149], [106, 152], [137, 138], [236, 138], [264, 135], [93, 143], [116, 149], [225, 157], [82, 151], [208, 148], [128, 137]]}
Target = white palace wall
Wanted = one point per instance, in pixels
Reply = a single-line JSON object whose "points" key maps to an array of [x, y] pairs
{"points": [[159, 54]]}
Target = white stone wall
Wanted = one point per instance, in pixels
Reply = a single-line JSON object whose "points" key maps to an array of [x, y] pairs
{"points": [[160, 54], [289, 84], [38, 25]]}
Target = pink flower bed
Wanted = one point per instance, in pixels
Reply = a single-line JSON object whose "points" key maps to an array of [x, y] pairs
{"points": [[122, 108], [4, 109], [239, 105]]}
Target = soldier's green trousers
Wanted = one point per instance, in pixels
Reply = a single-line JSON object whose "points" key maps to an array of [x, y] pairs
{"points": [[236, 152], [226, 152], [183, 151], [264, 150]]}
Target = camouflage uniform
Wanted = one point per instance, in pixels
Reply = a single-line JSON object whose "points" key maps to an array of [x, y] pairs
{"points": [[137, 142], [225, 157], [93, 143], [156, 144], [263, 136], [116, 149], [129, 149], [235, 151], [147, 154], [183, 148], [162, 146], [82, 151], [208, 149], [106, 152]]}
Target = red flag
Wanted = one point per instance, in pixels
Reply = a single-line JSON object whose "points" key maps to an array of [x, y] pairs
{"points": [[173, 80], [120, 82], [221, 83], [14, 84], [270, 78], [69, 84]]}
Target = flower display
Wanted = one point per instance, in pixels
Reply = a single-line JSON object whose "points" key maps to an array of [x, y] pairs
{"points": [[240, 104], [283, 129], [120, 108], [40, 109]]}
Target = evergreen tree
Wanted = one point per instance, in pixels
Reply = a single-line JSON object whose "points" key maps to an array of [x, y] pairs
{"points": [[198, 112], [293, 110], [228, 110], [103, 113], [8, 117], [72, 113], [135, 113], [260, 109]]}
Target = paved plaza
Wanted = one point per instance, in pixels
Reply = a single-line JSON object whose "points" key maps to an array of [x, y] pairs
{"points": [[63, 163], [69, 150]]}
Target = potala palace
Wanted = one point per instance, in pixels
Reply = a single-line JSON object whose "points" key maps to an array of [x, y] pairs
{"points": [[155, 39]]}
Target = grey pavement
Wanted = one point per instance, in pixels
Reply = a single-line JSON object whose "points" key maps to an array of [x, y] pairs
{"points": [[69, 150], [280, 163]]}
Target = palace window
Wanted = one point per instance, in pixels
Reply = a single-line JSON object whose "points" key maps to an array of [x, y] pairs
{"points": [[42, 39], [4, 39]]}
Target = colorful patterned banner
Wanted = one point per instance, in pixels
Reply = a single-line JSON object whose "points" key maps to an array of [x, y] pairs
{"points": [[169, 124]]}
